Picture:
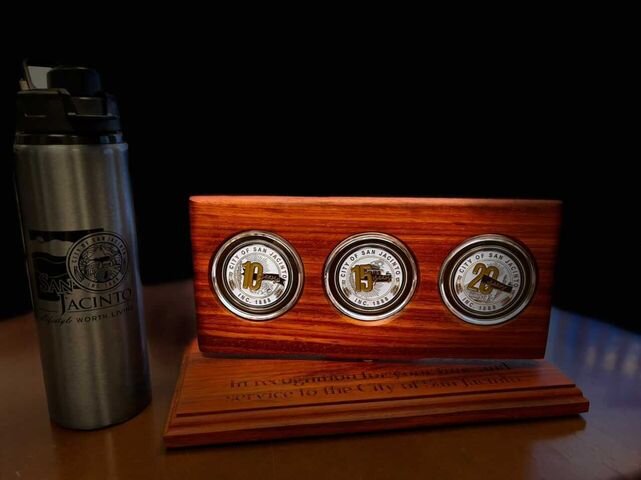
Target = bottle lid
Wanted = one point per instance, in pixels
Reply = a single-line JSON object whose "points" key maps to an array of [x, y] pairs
{"points": [[73, 103]]}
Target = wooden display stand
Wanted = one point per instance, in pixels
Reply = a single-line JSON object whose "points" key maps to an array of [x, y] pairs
{"points": [[243, 400], [284, 284], [430, 227]]}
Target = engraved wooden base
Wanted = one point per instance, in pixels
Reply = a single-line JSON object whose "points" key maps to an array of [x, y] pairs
{"points": [[242, 400]]}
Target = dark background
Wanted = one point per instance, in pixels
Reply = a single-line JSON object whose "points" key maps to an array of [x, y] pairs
{"points": [[522, 123]]}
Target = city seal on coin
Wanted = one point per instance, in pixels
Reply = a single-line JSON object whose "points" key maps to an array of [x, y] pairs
{"points": [[257, 275], [370, 276], [488, 279]]}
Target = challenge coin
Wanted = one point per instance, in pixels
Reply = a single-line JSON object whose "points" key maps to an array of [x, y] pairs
{"points": [[370, 276], [488, 279], [257, 275]]}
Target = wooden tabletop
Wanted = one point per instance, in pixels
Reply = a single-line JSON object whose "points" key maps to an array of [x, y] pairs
{"points": [[604, 443]]}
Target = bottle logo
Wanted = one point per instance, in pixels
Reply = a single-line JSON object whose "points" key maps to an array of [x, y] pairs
{"points": [[80, 276], [488, 279], [257, 275], [370, 276]]}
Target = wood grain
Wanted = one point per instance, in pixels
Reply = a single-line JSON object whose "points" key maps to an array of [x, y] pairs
{"points": [[431, 228], [240, 400]]}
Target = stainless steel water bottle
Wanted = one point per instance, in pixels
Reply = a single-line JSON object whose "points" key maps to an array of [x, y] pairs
{"points": [[80, 241]]}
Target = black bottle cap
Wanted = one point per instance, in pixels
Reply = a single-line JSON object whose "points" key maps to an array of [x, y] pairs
{"points": [[78, 81], [72, 104]]}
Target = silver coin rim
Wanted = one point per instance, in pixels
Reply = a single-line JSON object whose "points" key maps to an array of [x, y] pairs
{"points": [[282, 244], [375, 237], [502, 240]]}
